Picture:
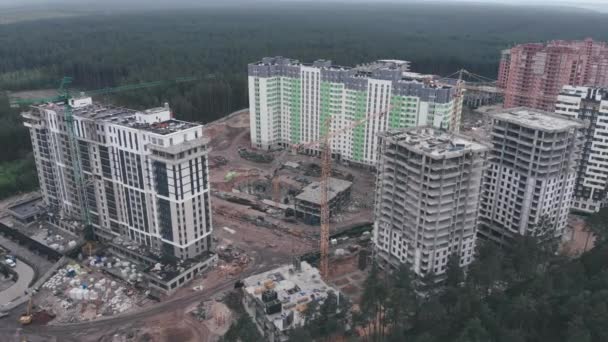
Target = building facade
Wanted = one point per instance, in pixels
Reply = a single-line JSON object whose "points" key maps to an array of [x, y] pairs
{"points": [[427, 199], [532, 75], [291, 102], [531, 173], [589, 105], [141, 175]]}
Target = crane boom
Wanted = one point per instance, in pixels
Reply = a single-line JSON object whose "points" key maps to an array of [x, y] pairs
{"points": [[340, 131], [488, 87], [326, 167]]}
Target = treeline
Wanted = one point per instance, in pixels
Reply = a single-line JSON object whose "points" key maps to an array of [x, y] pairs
{"points": [[527, 293], [17, 169], [102, 50], [215, 44]]}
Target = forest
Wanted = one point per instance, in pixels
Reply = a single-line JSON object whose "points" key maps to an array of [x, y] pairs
{"points": [[524, 293], [110, 48]]}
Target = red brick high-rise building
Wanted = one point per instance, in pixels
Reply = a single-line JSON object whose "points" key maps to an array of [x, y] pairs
{"points": [[532, 75]]}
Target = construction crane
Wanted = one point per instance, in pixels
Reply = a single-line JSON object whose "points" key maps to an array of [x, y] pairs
{"points": [[488, 85], [326, 167], [64, 96]]}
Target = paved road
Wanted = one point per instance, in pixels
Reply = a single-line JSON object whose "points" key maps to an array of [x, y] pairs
{"points": [[38, 262], [74, 331], [26, 275]]}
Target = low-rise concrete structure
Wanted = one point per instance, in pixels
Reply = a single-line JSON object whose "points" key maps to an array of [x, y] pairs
{"points": [[308, 202], [27, 211], [277, 299], [162, 277]]}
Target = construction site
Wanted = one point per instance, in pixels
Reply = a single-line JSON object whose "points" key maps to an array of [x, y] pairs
{"points": [[278, 194], [265, 187]]}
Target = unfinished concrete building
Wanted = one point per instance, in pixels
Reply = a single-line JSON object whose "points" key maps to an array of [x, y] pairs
{"points": [[427, 198], [308, 203], [531, 173], [276, 300]]}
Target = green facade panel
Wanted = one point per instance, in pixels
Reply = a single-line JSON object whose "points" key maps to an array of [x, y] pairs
{"points": [[359, 131], [295, 85], [325, 104]]}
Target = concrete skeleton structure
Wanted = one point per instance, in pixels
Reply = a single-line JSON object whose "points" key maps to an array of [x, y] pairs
{"points": [[145, 173], [308, 203], [291, 103], [531, 173], [427, 198], [276, 299], [532, 75], [590, 105]]}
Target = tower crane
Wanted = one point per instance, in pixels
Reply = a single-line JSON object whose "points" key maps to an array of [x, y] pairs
{"points": [[65, 96], [326, 166], [486, 84]]}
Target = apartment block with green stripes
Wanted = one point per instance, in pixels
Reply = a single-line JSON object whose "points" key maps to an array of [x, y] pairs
{"points": [[291, 103]]}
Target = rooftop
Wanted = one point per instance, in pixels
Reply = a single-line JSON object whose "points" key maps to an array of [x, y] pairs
{"points": [[182, 147], [384, 69], [312, 192], [126, 117], [537, 119], [161, 127], [294, 290], [28, 208], [434, 143]]}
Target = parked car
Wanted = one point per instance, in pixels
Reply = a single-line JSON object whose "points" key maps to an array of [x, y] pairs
{"points": [[10, 262]]}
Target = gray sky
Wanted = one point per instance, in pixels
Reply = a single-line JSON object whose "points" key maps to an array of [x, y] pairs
{"points": [[600, 5]]}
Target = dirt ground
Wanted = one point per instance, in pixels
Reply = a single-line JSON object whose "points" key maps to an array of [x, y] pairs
{"points": [[287, 238], [170, 327], [580, 239], [347, 277], [230, 134]]}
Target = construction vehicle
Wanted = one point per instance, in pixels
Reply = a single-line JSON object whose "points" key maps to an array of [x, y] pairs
{"points": [[64, 95], [28, 316], [326, 168]]}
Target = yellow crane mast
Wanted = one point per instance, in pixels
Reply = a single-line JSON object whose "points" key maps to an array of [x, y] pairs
{"points": [[326, 167]]}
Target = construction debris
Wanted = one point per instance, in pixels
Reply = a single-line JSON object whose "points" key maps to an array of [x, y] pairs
{"points": [[256, 157], [234, 260], [217, 161], [76, 294]]}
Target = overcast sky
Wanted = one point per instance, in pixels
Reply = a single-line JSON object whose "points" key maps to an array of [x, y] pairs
{"points": [[601, 5]]}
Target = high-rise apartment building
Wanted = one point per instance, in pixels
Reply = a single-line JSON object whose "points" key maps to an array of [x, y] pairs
{"points": [[427, 198], [531, 173], [589, 105], [143, 175], [290, 103], [532, 75]]}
